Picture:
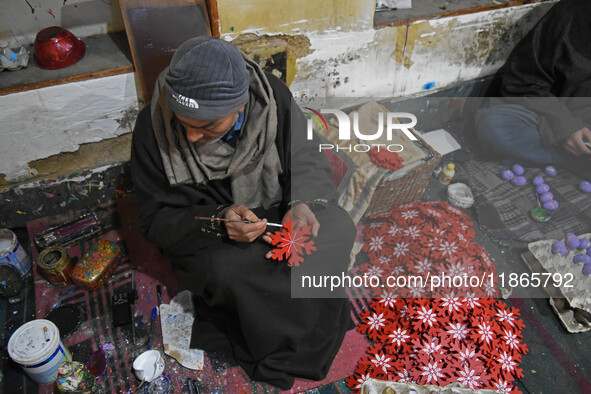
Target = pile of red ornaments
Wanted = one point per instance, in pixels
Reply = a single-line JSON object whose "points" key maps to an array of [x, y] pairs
{"points": [[457, 336], [386, 159]]}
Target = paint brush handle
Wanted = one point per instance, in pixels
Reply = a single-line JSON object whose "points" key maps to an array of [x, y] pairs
{"points": [[152, 319], [159, 294], [236, 221], [269, 224]]}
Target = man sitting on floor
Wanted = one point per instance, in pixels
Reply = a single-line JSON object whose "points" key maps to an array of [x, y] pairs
{"points": [[222, 139], [544, 116]]}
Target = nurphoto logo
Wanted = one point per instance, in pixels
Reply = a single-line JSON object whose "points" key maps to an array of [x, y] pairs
{"points": [[392, 122]]}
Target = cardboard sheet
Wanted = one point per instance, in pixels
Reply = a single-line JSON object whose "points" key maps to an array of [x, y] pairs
{"points": [[571, 299]]}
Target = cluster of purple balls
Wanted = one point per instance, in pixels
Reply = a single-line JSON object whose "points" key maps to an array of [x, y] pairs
{"points": [[543, 191], [516, 176], [573, 242]]}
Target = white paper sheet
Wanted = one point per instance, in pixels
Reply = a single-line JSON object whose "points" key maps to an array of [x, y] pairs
{"points": [[177, 323], [441, 141]]}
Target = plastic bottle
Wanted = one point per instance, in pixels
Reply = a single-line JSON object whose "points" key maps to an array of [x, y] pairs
{"points": [[447, 174]]}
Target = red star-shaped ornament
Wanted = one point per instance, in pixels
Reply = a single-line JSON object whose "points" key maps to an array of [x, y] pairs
{"points": [[292, 242]]}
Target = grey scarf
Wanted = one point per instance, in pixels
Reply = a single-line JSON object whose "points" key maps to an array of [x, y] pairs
{"points": [[253, 166]]}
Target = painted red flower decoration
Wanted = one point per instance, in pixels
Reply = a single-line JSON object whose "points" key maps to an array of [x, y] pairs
{"points": [[459, 334], [292, 242], [386, 159]]}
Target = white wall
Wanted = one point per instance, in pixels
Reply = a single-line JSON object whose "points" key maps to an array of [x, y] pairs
{"points": [[40, 123], [20, 20], [407, 60], [389, 62]]}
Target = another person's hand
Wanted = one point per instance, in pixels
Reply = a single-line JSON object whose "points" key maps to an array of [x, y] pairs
{"points": [[240, 231], [575, 144]]}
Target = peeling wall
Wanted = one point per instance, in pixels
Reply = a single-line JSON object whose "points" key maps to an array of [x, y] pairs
{"points": [[293, 16], [412, 59], [40, 123]]}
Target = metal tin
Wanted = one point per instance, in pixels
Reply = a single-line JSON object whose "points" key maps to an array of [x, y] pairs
{"points": [[96, 265], [11, 252], [55, 266], [70, 233]]}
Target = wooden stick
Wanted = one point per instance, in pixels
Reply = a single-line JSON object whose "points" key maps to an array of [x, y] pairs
{"points": [[235, 221]]}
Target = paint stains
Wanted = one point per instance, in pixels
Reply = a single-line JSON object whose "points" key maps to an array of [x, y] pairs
{"points": [[405, 39], [29, 4], [276, 54], [429, 85], [50, 12]]}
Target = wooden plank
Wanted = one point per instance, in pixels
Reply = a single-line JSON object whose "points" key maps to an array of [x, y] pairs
{"points": [[435, 9], [60, 81], [155, 29], [214, 18]]}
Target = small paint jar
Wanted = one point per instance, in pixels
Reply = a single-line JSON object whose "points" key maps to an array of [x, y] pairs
{"points": [[55, 266], [11, 252]]}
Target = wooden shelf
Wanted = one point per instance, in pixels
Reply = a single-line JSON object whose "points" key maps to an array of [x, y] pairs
{"points": [[106, 55], [433, 9]]}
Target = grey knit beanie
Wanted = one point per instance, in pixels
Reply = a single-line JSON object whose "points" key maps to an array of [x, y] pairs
{"points": [[206, 79]]}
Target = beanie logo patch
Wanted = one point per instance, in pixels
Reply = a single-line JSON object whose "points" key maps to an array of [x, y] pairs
{"points": [[186, 101]]}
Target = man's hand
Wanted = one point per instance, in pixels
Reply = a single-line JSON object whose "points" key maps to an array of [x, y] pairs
{"points": [[243, 232], [300, 215], [575, 144]]}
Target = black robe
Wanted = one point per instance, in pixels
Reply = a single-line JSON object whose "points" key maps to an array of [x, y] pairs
{"points": [[244, 307], [549, 71]]}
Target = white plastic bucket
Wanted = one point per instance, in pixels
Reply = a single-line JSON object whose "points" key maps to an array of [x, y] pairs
{"points": [[11, 252], [37, 347]]}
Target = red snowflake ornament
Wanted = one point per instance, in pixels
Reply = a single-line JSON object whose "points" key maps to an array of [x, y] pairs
{"points": [[292, 243]]}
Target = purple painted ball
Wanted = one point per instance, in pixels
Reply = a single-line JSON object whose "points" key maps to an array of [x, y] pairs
{"points": [[538, 180], [546, 197], [579, 258], [543, 188], [519, 181], [583, 244], [508, 175], [585, 186], [572, 241], [559, 248], [518, 170], [551, 205], [586, 268], [550, 170]]}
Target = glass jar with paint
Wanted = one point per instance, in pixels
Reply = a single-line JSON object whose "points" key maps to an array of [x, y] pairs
{"points": [[11, 252]]}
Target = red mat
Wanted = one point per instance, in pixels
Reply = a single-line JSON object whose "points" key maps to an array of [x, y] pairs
{"points": [[149, 269]]}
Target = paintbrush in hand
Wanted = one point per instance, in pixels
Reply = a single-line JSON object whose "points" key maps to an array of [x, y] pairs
{"points": [[235, 221]]}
